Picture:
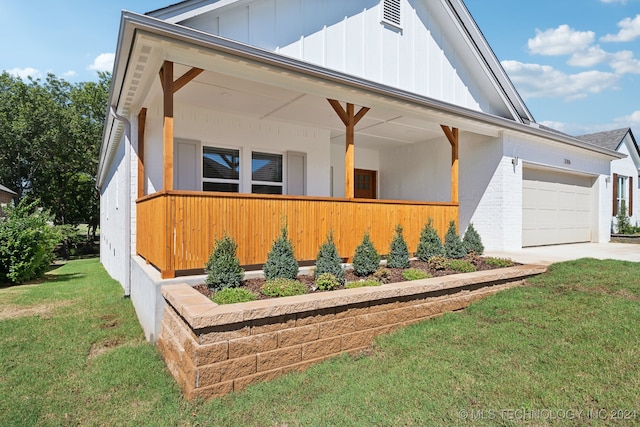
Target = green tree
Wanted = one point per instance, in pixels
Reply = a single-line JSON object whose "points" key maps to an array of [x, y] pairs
{"points": [[366, 259], [472, 240], [223, 267], [430, 244], [398, 252], [453, 246], [329, 261], [281, 261]]}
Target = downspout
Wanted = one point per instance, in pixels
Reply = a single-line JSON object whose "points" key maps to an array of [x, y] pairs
{"points": [[127, 204]]}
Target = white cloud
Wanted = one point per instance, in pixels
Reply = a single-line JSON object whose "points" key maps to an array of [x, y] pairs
{"points": [[632, 119], [560, 41], [614, 1], [538, 81], [23, 73], [69, 74], [589, 57], [623, 62], [103, 62], [629, 30]]}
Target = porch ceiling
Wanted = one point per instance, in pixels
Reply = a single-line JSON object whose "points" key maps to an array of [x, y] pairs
{"points": [[380, 128]]}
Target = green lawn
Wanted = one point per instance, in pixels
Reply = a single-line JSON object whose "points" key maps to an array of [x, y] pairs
{"points": [[557, 351]]}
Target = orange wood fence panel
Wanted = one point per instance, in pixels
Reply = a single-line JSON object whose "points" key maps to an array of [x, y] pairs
{"points": [[195, 220]]}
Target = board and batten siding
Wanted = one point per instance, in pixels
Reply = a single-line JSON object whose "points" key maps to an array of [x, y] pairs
{"points": [[349, 36]]}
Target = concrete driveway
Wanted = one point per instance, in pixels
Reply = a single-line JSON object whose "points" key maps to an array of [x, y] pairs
{"points": [[549, 254]]}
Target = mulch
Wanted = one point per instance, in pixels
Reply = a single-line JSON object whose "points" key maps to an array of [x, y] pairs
{"points": [[394, 276]]}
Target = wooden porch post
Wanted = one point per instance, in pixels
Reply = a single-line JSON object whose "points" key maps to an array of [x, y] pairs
{"points": [[142, 121], [166, 77], [452, 136], [350, 121]]}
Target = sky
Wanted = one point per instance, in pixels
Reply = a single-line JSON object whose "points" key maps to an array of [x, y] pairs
{"points": [[576, 63]]}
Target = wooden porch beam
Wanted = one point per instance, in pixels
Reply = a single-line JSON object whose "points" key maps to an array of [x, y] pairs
{"points": [[167, 134], [350, 119], [186, 78], [142, 120], [452, 136]]}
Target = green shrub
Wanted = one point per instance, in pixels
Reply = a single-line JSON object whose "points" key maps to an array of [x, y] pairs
{"points": [[329, 261], [327, 282], [366, 259], [233, 295], [622, 220], [415, 274], [498, 262], [453, 246], [438, 262], [472, 241], [430, 244], [27, 242], [362, 283], [283, 287], [382, 275], [398, 252], [460, 265], [281, 261], [223, 267]]}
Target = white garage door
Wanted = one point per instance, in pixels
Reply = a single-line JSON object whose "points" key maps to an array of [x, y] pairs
{"points": [[556, 207]]}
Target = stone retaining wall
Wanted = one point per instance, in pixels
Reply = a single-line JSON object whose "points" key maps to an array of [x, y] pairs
{"points": [[215, 349]]}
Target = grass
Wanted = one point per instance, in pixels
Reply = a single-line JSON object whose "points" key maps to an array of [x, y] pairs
{"points": [[567, 341]]}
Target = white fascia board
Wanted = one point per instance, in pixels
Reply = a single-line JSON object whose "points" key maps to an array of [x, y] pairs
{"points": [[182, 11]]}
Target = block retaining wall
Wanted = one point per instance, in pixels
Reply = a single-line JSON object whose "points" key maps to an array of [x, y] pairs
{"points": [[212, 350]]}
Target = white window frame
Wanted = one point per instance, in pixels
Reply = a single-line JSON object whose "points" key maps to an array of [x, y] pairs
{"points": [[282, 184], [221, 180], [623, 191]]}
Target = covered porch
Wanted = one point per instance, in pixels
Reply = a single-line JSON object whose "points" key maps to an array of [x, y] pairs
{"points": [[176, 226]]}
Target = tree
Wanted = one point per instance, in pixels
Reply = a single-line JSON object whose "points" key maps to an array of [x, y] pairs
{"points": [[281, 261], [366, 259], [430, 244], [453, 246], [398, 252], [329, 261], [472, 240]]}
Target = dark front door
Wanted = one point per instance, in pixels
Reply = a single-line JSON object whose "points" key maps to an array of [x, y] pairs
{"points": [[365, 184]]}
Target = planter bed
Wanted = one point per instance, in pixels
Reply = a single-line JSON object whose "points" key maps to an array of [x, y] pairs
{"points": [[215, 349]]}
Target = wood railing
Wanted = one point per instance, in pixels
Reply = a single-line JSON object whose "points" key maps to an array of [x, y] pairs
{"points": [[176, 230]]}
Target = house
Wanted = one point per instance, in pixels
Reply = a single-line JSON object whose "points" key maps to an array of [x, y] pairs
{"points": [[232, 116], [6, 196], [625, 172]]}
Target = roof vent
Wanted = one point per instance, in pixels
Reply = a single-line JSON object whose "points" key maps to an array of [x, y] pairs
{"points": [[391, 12]]}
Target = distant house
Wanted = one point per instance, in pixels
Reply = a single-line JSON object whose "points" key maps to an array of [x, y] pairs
{"points": [[6, 196], [230, 116], [625, 173]]}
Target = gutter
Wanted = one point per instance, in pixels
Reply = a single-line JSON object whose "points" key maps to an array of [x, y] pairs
{"points": [[127, 204]]}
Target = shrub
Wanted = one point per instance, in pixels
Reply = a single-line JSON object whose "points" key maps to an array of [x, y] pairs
{"points": [[430, 244], [362, 283], [499, 262], [327, 282], [233, 295], [623, 222], [382, 275], [223, 267], [460, 265], [398, 252], [366, 259], [472, 240], [415, 274], [27, 242], [453, 246], [328, 260], [283, 287], [438, 262], [281, 261]]}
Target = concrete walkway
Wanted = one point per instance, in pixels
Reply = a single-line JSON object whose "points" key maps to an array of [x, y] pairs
{"points": [[549, 254]]}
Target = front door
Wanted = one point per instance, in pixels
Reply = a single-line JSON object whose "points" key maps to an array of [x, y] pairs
{"points": [[365, 184]]}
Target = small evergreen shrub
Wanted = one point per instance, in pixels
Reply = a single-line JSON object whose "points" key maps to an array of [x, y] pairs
{"points": [[622, 220], [415, 274], [233, 295], [281, 261], [27, 242], [362, 283], [438, 262], [498, 262], [366, 259], [327, 282], [398, 252], [328, 260], [430, 244], [382, 275], [472, 240], [223, 267], [453, 246], [460, 265], [283, 287]]}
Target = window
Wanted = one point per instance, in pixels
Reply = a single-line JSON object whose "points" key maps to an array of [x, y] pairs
{"points": [[622, 191], [266, 173], [220, 169], [391, 12]]}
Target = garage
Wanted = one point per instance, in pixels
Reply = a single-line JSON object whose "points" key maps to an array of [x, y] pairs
{"points": [[557, 207]]}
